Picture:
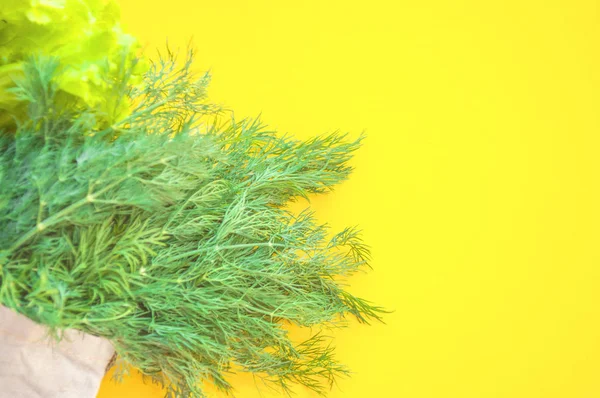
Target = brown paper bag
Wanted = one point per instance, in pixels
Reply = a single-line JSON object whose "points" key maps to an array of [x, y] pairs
{"points": [[34, 366]]}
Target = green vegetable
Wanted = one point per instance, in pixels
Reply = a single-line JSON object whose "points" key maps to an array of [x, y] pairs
{"points": [[87, 38], [168, 233]]}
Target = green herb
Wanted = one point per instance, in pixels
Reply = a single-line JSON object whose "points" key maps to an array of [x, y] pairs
{"points": [[168, 233]]}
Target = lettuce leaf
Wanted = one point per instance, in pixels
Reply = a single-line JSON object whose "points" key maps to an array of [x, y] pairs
{"points": [[86, 38]]}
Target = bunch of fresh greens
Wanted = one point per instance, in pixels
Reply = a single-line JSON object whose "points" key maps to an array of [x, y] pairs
{"points": [[168, 232]]}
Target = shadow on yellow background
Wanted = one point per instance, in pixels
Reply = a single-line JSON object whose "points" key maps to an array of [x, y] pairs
{"points": [[477, 187]]}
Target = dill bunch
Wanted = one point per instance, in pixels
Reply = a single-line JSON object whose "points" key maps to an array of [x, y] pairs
{"points": [[168, 232]]}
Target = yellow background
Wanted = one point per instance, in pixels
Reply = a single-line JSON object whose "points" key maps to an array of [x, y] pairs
{"points": [[477, 188]]}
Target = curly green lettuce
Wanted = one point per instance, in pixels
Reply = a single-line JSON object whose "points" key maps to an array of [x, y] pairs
{"points": [[87, 39]]}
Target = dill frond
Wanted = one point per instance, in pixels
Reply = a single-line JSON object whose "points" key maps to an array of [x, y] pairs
{"points": [[168, 234]]}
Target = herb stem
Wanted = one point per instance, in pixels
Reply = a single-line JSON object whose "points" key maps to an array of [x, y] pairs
{"points": [[227, 247]]}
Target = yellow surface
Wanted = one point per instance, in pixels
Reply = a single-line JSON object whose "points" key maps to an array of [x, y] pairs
{"points": [[478, 186]]}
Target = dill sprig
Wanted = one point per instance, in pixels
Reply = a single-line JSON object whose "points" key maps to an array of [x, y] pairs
{"points": [[168, 232]]}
